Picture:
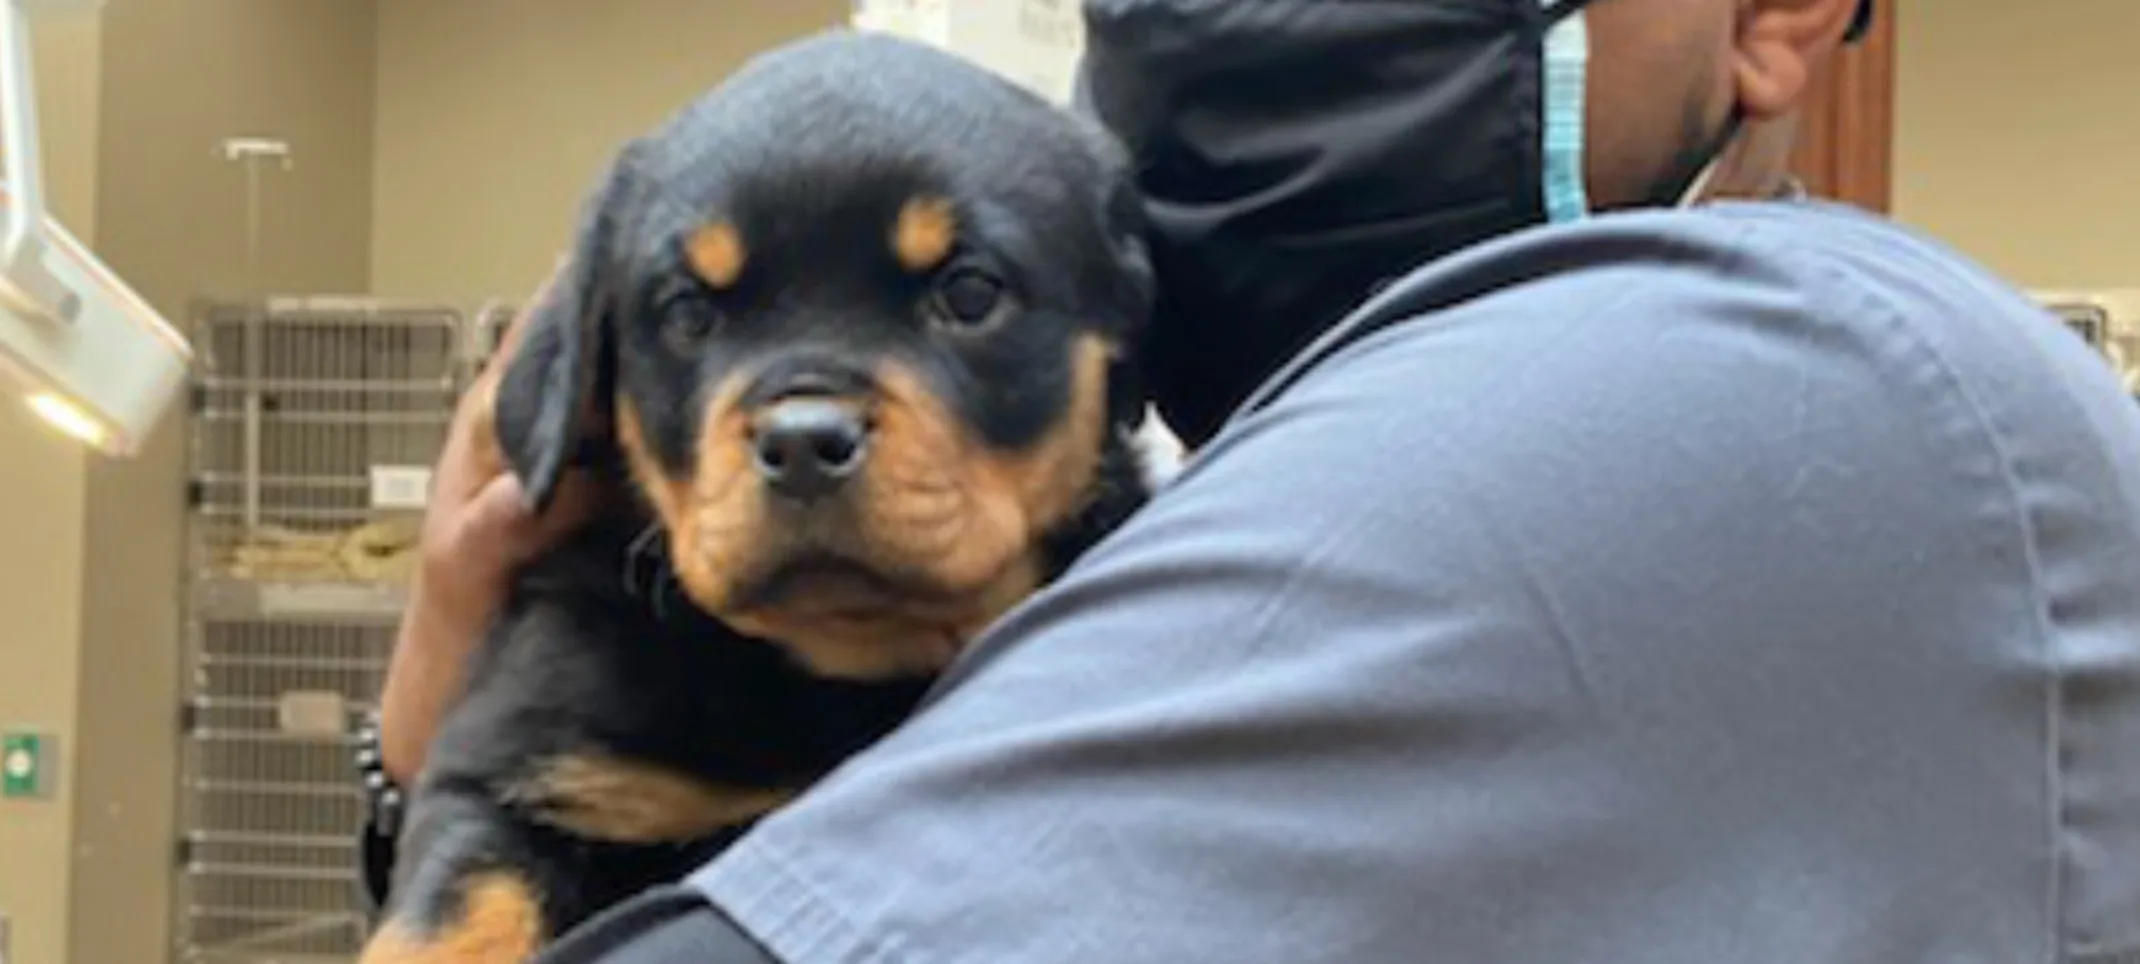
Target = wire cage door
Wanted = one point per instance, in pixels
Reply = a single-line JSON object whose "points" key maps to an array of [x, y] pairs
{"points": [[314, 422]]}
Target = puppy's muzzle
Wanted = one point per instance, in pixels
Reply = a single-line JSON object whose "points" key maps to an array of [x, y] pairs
{"points": [[810, 436]]}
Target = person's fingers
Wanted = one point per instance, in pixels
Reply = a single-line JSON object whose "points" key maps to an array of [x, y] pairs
{"points": [[498, 507], [469, 465], [468, 462], [498, 523], [479, 527]]}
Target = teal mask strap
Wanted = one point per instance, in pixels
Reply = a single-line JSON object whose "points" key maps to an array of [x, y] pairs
{"points": [[1567, 64]]}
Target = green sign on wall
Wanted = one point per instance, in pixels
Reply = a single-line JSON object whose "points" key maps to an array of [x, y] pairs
{"points": [[22, 765]]}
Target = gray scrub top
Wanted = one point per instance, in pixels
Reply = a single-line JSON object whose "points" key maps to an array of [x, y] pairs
{"points": [[1758, 584]]}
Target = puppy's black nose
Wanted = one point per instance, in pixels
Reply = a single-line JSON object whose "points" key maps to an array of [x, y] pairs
{"points": [[805, 448]]}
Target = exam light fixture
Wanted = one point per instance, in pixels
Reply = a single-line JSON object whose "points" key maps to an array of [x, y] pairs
{"points": [[80, 349]]}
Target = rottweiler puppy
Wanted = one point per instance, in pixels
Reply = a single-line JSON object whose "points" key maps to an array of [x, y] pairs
{"points": [[857, 329]]}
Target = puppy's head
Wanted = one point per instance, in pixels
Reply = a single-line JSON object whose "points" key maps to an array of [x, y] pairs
{"points": [[860, 322]]}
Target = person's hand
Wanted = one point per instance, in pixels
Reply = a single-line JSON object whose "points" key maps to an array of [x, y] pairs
{"points": [[477, 532], [478, 529]]}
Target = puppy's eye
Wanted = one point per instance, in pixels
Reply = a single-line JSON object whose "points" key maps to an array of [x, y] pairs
{"points": [[687, 322], [967, 298]]}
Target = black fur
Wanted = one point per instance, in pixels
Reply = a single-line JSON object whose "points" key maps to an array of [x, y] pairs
{"points": [[809, 151]]}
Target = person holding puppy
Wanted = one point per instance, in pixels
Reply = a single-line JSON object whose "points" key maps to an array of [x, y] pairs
{"points": [[1592, 551]]}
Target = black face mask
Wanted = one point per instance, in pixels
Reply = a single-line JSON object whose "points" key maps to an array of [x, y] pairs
{"points": [[1298, 153]]}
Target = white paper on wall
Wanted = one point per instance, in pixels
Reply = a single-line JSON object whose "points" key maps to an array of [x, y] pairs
{"points": [[923, 20], [1034, 43]]}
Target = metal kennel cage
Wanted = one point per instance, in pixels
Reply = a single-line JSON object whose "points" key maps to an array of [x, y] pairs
{"points": [[314, 422]]}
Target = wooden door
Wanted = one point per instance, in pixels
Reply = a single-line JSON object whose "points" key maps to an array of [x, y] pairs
{"points": [[1846, 140]]}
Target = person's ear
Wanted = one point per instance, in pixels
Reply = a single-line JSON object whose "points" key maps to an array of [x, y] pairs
{"points": [[1780, 43]]}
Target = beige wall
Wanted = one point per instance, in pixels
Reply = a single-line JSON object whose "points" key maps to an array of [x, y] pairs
{"points": [[2026, 166], [495, 116], [2018, 135], [133, 107], [41, 507], [178, 76]]}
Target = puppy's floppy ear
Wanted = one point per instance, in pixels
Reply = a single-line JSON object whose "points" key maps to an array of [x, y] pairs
{"points": [[1135, 292], [549, 391]]}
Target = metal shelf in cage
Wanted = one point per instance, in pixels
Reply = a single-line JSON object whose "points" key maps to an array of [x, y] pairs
{"points": [[298, 600]]}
